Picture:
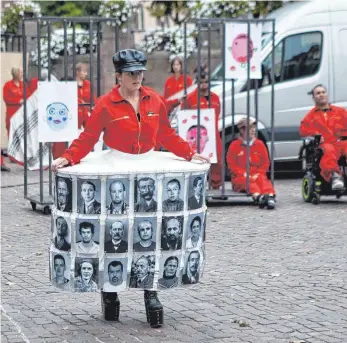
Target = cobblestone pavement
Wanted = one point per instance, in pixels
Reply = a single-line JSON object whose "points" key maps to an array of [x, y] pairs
{"points": [[282, 272]]}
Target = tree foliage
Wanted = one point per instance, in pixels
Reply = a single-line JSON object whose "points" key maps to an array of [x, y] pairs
{"points": [[69, 8]]}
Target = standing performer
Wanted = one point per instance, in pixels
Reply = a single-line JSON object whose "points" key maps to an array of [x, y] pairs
{"points": [[260, 187], [133, 120], [206, 98]]}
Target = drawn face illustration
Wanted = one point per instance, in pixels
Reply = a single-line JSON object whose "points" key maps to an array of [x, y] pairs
{"points": [[239, 48], [57, 116]]}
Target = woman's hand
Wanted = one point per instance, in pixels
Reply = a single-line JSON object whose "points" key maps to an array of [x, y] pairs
{"points": [[201, 158], [59, 163]]}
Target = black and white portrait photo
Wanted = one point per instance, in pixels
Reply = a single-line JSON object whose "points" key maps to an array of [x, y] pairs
{"points": [[171, 233], [141, 271], [169, 272], [61, 271], [196, 192], [116, 235], [192, 266], [145, 234], [145, 194], [117, 196], [115, 274], [62, 233], [87, 236], [173, 192], [88, 192], [86, 274], [195, 231], [64, 194], [204, 231]]}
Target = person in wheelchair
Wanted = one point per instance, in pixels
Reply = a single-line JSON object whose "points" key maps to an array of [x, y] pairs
{"points": [[260, 187], [330, 122]]}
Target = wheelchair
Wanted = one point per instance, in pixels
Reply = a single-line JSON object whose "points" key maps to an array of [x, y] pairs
{"points": [[313, 185]]}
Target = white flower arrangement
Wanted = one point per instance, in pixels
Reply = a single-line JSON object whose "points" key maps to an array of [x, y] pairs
{"points": [[171, 40], [120, 10]]}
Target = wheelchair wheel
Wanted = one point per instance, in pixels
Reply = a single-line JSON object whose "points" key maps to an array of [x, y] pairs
{"points": [[307, 190]]}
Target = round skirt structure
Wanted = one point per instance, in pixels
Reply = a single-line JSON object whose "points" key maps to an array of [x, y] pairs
{"points": [[124, 221]]}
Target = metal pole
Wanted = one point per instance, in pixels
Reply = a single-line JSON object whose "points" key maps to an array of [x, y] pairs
{"points": [[74, 50], [98, 60], [24, 48], [223, 106], [185, 63], [116, 43], [198, 84], [65, 60], [256, 104], [39, 77], [49, 79], [91, 64], [273, 104], [248, 108], [18, 43], [209, 62], [232, 108]]}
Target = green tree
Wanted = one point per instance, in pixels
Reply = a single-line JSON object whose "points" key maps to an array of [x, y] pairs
{"points": [[69, 8]]}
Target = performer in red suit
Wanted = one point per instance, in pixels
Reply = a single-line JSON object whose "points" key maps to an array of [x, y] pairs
{"points": [[260, 186], [330, 122], [133, 119], [205, 99], [175, 83]]}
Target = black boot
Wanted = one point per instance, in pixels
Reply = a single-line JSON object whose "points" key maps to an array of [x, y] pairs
{"points": [[110, 306], [271, 202], [262, 201], [154, 309]]}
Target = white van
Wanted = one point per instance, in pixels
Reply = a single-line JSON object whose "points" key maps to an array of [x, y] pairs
{"points": [[310, 48]]}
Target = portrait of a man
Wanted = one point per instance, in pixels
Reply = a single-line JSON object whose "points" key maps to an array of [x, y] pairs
{"points": [[118, 204], [196, 200], [192, 138], [173, 203], [195, 240], [64, 194], [59, 267], [191, 275], [86, 270], [169, 279], [171, 235], [87, 244], [145, 190], [145, 233], [114, 277], [116, 244], [88, 204], [141, 277], [61, 233]]}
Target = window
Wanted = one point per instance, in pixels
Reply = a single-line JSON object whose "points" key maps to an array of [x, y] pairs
{"points": [[295, 57]]}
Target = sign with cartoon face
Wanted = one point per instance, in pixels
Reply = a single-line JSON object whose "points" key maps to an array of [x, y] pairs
{"points": [[236, 54], [188, 129], [57, 111]]}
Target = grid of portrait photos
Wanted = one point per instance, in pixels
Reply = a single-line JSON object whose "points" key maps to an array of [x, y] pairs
{"points": [[128, 231]]}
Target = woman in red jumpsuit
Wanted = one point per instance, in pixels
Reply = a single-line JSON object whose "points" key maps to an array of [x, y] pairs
{"points": [[175, 83], [133, 119], [260, 186], [205, 99]]}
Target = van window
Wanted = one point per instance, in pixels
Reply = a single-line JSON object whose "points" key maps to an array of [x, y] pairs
{"points": [[296, 56]]}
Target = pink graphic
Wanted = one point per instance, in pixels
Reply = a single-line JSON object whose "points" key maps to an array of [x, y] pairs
{"points": [[239, 48], [184, 121], [192, 138], [254, 68], [232, 68]]}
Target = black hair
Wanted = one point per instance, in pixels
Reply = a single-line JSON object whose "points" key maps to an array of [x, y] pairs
{"points": [[86, 225], [311, 92]]}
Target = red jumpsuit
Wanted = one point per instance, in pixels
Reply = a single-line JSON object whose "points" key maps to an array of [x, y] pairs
{"points": [[33, 85], [192, 103], [331, 124], [259, 165], [173, 85], [123, 130], [12, 94]]}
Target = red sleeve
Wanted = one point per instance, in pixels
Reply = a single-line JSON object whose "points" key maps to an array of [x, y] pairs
{"points": [[9, 97], [168, 138], [264, 158], [81, 146], [233, 151], [166, 89], [342, 127], [310, 127]]}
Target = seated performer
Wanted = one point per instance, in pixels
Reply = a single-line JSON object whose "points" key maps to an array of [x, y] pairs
{"points": [[260, 187], [133, 120], [331, 123]]}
